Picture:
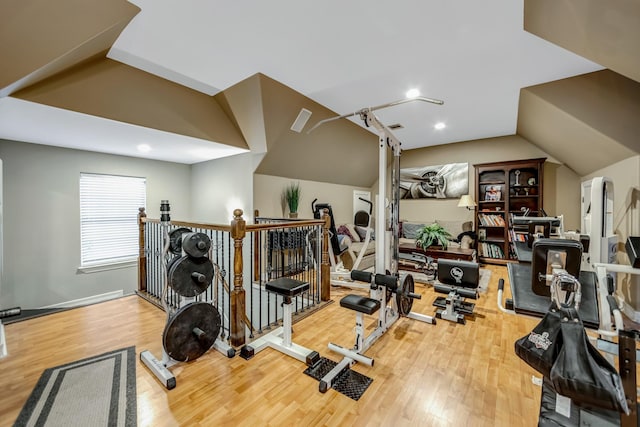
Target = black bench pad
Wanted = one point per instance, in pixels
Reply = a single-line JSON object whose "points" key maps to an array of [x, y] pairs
{"points": [[287, 287], [359, 303]]}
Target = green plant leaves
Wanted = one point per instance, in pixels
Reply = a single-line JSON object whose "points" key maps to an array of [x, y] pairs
{"points": [[292, 196], [433, 234]]}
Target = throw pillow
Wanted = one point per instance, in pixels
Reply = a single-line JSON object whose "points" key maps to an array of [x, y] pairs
{"points": [[352, 231], [410, 229], [362, 233], [345, 231]]}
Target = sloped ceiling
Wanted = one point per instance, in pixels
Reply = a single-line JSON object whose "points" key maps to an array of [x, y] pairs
{"points": [[588, 121], [106, 88], [63, 76], [39, 38], [606, 32]]}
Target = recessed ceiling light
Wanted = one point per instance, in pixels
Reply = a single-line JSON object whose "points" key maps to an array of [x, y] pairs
{"points": [[144, 148], [439, 126], [412, 93]]}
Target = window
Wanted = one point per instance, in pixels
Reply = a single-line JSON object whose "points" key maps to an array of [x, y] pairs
{"points": [[109, 218]]}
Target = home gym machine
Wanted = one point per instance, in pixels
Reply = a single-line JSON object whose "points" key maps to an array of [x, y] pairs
{"points": [[385, 281], [193, 327], [459, 280]]}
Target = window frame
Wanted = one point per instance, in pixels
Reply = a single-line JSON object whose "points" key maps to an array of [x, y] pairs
{"points": [[97, 191]]}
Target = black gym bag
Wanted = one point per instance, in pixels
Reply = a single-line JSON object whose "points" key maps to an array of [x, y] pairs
{"points": [[540, 348], [581, 373]]}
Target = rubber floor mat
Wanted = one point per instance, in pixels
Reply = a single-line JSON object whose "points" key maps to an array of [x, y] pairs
{"points": [[350, 383]]}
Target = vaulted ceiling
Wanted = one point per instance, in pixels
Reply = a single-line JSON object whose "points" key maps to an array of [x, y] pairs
{"points": [[196, 80]]}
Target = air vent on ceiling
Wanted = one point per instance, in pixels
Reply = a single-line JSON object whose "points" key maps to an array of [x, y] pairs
{"points": [[395, 126], [301, 120]]}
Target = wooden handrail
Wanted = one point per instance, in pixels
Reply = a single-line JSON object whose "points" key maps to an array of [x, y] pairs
{"points": [[208, 226], [142, 257], [237, 230], [325, 266], [237, 330]]}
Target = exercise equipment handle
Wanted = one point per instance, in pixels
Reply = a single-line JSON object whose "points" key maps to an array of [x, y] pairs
{"points": [[501, 285], [361, 276], [369, 202], [390, 281], [413, 295]]}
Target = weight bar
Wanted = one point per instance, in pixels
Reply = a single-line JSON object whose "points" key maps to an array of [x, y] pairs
{"points": [[189, 276], [10, 312], [191, 331]]}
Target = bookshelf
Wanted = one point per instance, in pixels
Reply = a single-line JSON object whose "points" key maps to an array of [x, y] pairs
{"points": [[502, 189]]}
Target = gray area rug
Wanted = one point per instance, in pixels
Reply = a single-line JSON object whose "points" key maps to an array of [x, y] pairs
{"points": [[97, 391], [483, 281]]}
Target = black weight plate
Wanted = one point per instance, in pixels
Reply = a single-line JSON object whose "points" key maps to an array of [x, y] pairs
{"points": [[190, 276], [196, 245], [171, 262], [405, 303], [179, 340], [175, 240]]}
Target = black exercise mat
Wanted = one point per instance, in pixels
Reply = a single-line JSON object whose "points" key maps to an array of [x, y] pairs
{"points": [[27, 314], [350, 383]]}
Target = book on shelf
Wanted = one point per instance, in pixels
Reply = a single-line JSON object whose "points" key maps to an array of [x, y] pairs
{"points": [[491, 220], [516, 236], [491, 250]]}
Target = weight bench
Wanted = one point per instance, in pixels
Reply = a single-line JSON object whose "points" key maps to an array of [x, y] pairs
{"points": [[280, 339], [530, 292], [459, 280]]}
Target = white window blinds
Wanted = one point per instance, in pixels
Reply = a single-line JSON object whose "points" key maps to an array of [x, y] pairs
{"points": [[109, 217]]}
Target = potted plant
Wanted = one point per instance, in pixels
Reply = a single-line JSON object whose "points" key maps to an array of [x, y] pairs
{"points": [[433, 234], [291, 196]]}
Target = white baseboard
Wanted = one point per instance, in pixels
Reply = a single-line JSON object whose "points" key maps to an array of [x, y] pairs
{"points": [[3, 342], [87, 300]]}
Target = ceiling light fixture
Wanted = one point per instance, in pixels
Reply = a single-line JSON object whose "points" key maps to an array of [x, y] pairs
{"points": [[412, 93], [144, 148], [439, 126]]}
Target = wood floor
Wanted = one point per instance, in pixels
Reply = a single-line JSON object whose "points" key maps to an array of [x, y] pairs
{"points": [[424, 375]]}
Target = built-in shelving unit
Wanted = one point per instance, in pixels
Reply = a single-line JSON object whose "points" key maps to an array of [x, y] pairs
{"points": [[502, 189]]}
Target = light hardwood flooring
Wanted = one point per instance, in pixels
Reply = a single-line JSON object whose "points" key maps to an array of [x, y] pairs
{"points": [[424, 375]]}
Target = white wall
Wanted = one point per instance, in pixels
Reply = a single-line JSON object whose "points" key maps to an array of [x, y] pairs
{"points": [[220, 186], [42, 220], [626, 197], [268, 193]]}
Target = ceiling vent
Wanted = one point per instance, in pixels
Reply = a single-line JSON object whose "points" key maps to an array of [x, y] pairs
{"points": [[301, 120], [395, 126]]}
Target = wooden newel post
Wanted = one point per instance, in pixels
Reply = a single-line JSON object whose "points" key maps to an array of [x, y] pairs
{"points": [[238, 227], [142, 257], [325, 266]]}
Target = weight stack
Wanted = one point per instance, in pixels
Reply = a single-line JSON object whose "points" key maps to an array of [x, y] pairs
{"points": [[633, 250]]}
